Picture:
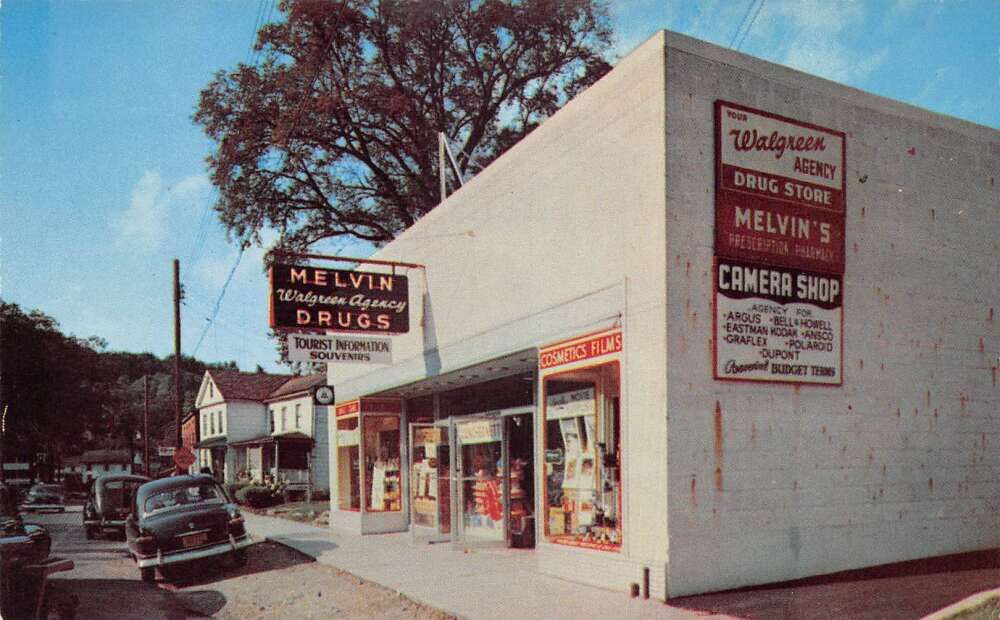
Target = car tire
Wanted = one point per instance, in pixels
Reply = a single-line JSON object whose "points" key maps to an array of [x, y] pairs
{"points": [[91, 534], [148, 574]]}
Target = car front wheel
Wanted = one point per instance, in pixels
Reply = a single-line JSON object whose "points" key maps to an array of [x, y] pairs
{"points": [[148, 574], [89, 531]]}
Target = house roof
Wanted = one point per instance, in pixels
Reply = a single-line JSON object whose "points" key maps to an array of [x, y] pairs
{"points": [[236, 385], [296, 385], [104, 456]]}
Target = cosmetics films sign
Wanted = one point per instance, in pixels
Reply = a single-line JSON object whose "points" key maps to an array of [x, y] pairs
{"points": [[780, 190], [304, 297]]}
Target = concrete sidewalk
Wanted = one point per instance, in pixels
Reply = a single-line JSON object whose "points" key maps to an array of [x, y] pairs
{"points": [[493, 583], [504, 583]]}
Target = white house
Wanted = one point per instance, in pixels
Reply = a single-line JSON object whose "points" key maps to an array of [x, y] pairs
{"points": [[231, 409], [294, 445], [262, 427]]}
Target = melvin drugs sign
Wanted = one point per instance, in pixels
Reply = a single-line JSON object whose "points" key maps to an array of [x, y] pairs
{"points": [[312, 298]]}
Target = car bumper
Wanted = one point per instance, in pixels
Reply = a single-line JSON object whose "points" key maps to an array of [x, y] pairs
{"points": [[112, 524], [41, 507], [188, 555]]}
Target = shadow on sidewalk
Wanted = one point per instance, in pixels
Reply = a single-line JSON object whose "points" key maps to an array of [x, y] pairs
{"points": [[903, 590]]}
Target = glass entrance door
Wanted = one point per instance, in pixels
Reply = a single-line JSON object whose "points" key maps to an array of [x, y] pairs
{"points": [[430, 482], [480, 460]]}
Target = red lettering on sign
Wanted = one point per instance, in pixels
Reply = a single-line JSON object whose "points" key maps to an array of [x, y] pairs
{"points": [[597, 346]]}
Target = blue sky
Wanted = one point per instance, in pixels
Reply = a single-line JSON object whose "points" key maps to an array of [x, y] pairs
{"points": [[102, 174]]}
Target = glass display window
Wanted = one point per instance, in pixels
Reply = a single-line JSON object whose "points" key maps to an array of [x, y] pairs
{"points": [[429, 447], [481, 470], [582, 456], [383, 491], [348, 464]]}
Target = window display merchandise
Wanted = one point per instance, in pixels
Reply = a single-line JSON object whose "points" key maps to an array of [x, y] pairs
{"points": [[582, 456], [348, 470], [381, 448]]}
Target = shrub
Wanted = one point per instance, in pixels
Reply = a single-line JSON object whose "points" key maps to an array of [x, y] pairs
{"points": [[233, 488], [257, 496]]}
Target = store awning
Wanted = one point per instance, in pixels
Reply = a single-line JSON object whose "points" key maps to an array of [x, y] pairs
{"points": [[287, 438], [214, 442]]}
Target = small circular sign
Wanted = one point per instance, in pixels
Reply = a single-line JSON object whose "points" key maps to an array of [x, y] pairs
{"points": [[184, 457], [324, 395]]}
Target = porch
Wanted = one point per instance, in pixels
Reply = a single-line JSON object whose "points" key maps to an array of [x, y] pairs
{"points": [[275, 458]]}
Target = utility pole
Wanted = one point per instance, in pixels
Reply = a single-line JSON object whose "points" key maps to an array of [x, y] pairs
{"points": [[178, 391], [145, 423]]}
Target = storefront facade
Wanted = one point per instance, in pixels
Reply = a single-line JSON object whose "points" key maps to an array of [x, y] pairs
{"points": [[571, 289]]}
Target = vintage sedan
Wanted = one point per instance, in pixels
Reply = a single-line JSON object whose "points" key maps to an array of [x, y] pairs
{"points": [[108, 503], [183, 519], [43, 497]]}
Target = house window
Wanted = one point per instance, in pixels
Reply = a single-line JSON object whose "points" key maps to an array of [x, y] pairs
{"points": [[284, 419], [221, 430], [298, 416], [211, 424], [211, 392], [272, 420]]}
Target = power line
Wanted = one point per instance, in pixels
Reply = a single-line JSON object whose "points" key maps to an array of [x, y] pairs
{"points": [[742, 21], [218, 302], [750, 25]]}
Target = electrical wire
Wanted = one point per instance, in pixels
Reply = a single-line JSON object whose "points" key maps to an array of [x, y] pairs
{"points": [[750, 25], [742, 21]]}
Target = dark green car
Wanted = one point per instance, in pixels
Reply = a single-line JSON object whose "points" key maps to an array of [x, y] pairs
{"points": [[109, 502]]}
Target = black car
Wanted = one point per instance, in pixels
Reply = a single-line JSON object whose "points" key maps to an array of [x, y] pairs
{"points": [[44, 497], [109, 502], [183, 519], [22, 546]]}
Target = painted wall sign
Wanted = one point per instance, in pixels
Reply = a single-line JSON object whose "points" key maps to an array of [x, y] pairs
{"points": [[580, 350], [773, 323], [339, 349], [304, 297], [780, 190]]}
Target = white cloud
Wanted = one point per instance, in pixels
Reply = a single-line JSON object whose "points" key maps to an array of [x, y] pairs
{"points": [[142, 223], [154, 210]]}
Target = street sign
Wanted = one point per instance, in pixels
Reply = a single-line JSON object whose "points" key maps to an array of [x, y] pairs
{"points": [[183, 457]]}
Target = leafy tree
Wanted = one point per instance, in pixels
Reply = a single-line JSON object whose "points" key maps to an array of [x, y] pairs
{"points": [[65, 394], [334, 134]]}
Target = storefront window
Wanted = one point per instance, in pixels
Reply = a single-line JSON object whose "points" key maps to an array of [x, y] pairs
{"points": [[482, 478], [582, 458], [381, 448], [429, 476], [348, 471]]}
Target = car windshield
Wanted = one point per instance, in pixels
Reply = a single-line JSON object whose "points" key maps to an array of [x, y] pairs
{"points": [[194, 493]]}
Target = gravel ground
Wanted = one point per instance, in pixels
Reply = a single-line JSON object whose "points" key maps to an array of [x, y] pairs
{"points": [[276, 582]]}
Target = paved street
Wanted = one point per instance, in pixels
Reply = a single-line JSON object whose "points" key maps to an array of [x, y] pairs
{"points": [[276, 583]]}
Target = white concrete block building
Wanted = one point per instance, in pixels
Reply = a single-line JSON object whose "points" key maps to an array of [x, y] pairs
{"points": [[557, 388]]}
